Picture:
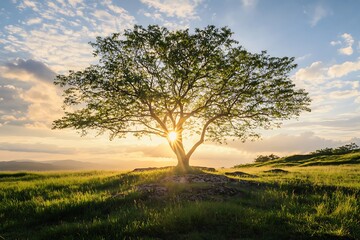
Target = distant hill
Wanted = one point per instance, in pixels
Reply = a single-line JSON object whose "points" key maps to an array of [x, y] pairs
{"points": [[30, 165], [310, 160], [59, 165]]}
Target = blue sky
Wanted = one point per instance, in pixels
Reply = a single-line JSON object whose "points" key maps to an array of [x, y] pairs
{"points": [[39, 39]]}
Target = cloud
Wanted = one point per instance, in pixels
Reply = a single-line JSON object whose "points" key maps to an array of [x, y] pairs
{"points": [[340, 70], [57, 34], [302, 58], [41, 98], [344, 94], [175, 8], [340, 124], [286, 144], [346, 44], [317, 13], [249, 3], [33, 21], [27, 70], [318, 72], [315, 73], [12, 107], [35, 147]]}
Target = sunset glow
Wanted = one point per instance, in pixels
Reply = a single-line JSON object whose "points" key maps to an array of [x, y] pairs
{"points": [[41, 39], [172, 136]]}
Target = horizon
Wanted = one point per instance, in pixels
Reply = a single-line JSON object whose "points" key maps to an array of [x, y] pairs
{"points": [[41, 39]]}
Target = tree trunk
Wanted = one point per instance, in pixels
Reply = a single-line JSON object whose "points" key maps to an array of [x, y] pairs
{"points": [[183, 163]]}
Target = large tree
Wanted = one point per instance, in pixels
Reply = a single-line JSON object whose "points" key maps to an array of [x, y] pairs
{"points": [[178, 83]]}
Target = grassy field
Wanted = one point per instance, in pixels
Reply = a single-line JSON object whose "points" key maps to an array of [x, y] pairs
{"points": [[319, 202]]}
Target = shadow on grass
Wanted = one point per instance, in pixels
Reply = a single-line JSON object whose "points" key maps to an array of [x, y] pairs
{"points": [[258, 214]]}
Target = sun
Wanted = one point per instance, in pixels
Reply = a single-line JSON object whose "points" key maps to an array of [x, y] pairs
{"points": [[172, 136]]}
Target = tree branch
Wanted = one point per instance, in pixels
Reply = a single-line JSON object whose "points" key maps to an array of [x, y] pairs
{"points": [[202, 137]]}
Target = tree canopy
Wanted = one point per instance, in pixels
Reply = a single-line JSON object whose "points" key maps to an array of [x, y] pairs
{"points": [[265, 158], [153, 81]]}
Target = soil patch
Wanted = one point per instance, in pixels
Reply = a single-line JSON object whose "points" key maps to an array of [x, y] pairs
{"points": [[276, 170], [194, 187], [240, 174]]}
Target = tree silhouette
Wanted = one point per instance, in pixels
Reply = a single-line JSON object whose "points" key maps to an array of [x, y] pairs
{"points": [[175, 84]]}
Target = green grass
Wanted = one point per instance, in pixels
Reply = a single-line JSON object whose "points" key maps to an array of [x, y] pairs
{"points": [[311, 160], [318, 202]]}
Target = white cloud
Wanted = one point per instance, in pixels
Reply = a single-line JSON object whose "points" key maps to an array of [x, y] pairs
{"points": [[175, 8], [347, 44], [33, 21], [302, 58], [318, 72], [334, 43], [42, 98], [346, 50], [340, 70], [357, 100], [283, 144], [63, 31], [343, 94], [314, 74], [28, 4], [249, 3], [318, 13], [75, 2], [45, 105]]}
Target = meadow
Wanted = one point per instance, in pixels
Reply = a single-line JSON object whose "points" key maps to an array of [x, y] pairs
{"points": [[316, 202]]}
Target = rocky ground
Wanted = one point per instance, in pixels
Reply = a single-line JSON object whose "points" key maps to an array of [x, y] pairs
{"points": [[194, 187]]}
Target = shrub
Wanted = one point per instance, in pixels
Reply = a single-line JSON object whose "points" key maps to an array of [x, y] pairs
{"points": [[265, 158]]}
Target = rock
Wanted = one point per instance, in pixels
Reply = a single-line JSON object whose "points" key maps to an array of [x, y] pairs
{"points": [[276, 170], [239, 174], [215, 187], [208, 169], [152, 189]]}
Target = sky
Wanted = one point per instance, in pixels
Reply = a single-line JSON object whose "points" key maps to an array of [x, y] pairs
{"points": [[39, 39]]}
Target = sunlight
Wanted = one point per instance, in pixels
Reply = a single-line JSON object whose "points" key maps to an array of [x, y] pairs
{"points": [[172, 136]]}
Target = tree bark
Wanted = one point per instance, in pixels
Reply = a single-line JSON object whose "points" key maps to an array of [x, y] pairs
{"points": [[183, 160], [178, 148]]}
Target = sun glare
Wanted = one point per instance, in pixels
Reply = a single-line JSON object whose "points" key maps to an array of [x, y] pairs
{"points": [[172, 136]]}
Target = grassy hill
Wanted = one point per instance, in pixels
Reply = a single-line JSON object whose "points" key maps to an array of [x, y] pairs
{"points": [[320, 202], [311, 160]]}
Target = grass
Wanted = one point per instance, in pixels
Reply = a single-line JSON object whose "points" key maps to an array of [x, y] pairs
{"points": [[312, 159], [318, 202]]}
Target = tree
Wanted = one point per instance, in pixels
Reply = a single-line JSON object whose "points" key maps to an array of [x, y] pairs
{"points": [[347, 148], [176, 84], [265, 158]]}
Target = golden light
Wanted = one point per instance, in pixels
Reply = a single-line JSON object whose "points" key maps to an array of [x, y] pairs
{"points": [[172, 136]]}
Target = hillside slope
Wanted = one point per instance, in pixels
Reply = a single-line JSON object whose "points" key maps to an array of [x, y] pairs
{"points": [[310, 160]]}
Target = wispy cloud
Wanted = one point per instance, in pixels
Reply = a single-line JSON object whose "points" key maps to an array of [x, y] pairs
{"points": [[249, 3], [284, 143], [35, 147], [175, 8], [317, 13], [173, 14]]}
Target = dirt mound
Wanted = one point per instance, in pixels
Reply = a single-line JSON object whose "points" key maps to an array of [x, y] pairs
{"points": [[276, 170], [150, 169], [208, 169], [193, 187], [197, 178], [240, 174]]}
